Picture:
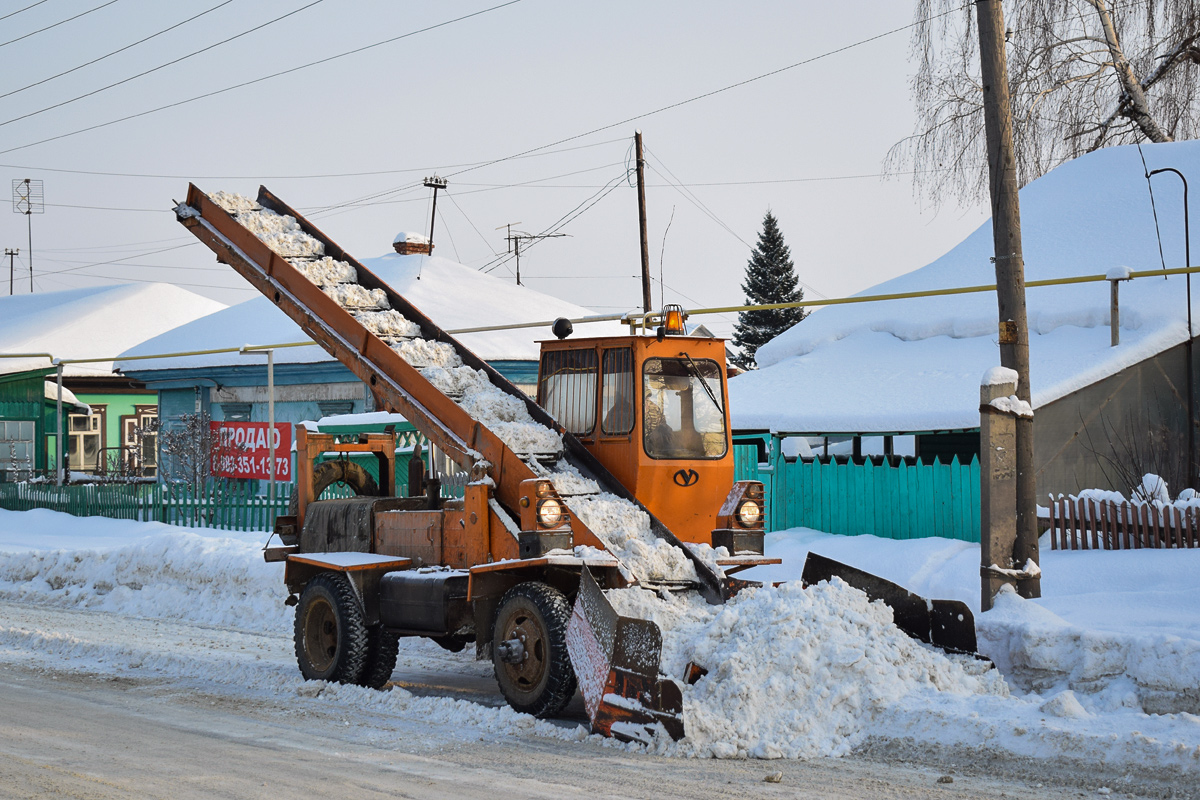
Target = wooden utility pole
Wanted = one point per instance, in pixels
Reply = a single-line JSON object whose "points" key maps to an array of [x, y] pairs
{"points": [[1010, 271], [641, 180]]}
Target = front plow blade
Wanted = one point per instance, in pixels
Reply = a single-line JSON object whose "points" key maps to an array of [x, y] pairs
{"points": [[947, 624], [616, 661]]}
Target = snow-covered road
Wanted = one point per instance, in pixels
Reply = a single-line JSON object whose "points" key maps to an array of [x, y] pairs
{"points": [[159, 627]]}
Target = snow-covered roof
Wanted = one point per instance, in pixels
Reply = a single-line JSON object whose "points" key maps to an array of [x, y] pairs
{"points": [[93, 322], [452, 295], [914, 365]]}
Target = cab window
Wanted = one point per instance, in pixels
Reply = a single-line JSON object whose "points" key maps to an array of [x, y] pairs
{"points": [[616, 393], [682, 407], [567, 388]]}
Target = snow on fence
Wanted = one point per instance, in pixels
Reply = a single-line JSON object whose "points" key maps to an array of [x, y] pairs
{"points": [[1077, 523], [226, 505], [897, 501]]}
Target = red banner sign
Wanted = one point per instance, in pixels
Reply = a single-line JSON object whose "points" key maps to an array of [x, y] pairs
{"points": [[241, 450]]}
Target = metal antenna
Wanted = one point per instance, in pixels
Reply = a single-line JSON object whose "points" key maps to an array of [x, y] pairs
{"points": [[514, 242], [28, 199]]}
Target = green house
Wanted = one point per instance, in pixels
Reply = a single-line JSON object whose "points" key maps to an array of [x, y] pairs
{"points": [[28, 426]]}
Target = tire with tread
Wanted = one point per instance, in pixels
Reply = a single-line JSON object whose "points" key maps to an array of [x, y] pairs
{"points": [[544, 681], [327, 473], [330, 635], [380, 663]]}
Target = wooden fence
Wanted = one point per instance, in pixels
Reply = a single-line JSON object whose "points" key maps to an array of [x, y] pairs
{"points": [[227, 505], [900, 501], [1086, 524]]}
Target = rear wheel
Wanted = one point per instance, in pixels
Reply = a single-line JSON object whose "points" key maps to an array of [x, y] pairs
{"points": [[382, 646], [529, 649], [330, 637]]}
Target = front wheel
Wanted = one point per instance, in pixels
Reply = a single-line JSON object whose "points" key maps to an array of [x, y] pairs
{"points": [[529, 649], [330, 635]]}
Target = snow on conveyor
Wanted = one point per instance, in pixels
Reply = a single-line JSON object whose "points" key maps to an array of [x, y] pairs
{"points": [[620, 524]]}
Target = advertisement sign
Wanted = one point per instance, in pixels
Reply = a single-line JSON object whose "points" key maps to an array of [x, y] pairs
{"points": [[241, 450]]}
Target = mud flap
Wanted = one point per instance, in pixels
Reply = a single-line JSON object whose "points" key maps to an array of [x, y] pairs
{"points": [[616, 661], [948, 624]]}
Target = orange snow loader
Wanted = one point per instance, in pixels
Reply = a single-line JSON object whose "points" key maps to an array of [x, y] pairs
{"points": [[509, 566]]}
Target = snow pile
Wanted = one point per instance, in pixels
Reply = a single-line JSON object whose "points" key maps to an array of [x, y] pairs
{"points": [[175, 574], [625, 530], [794, 673], [1153, 491], [352, 296]]}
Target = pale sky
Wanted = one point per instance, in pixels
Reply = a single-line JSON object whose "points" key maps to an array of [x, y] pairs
{"points": [[806, 143]]}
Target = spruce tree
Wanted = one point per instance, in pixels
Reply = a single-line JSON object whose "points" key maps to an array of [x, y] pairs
{"points": [[770, 278]]}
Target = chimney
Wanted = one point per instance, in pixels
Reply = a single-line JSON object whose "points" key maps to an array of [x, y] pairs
{"points": [[407, 243]]}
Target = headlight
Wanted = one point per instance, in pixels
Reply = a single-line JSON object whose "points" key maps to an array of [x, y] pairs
{"points": [[549, 513], [749, 514]]}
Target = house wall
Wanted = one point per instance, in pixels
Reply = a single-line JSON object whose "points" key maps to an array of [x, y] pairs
{"points": [[22, 400], [115, 406], [1108, 434]]}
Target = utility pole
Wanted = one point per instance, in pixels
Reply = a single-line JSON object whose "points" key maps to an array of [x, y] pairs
{"points": [[434, 183], [641, 180], [11, 253], [1010, 274]]}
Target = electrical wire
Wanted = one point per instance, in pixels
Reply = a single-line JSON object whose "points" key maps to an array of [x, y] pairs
{"points": [[115, 52], [259, 80], [165, 65], [55, 25], [1153, 210], [27, 168], [19, 10]]}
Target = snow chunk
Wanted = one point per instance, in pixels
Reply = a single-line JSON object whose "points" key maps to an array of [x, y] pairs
{"points": [[351, 295], [424, 353], [387, 323], [327, 272], [997, 376], [1012, 405], [233, 202], [1064, 704], [625, 530], [1119, 274]]}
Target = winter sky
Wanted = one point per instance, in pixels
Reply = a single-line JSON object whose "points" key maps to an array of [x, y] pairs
{"points": [[807, 142]]}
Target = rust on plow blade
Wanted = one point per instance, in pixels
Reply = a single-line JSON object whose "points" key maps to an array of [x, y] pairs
{"points": [[616, 660]]}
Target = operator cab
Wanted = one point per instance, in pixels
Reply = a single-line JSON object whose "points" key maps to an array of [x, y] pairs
{"points": [[653, 410]]}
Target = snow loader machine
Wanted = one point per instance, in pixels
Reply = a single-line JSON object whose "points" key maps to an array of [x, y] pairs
{"points": [[511, 567]]}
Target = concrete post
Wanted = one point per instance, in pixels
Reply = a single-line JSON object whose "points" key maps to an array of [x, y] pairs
{"points": [[998, 482]]}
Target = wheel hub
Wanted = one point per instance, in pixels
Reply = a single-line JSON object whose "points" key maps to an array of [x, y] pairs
{"points": [[320, 635], [525, 643]]}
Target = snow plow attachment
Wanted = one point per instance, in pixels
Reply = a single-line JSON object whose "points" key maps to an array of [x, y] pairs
{"points": [[616, 661], [947, 624]]}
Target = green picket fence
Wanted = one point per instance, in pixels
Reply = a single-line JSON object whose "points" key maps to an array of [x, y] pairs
{"points": [[226, 505], [904, 501]]}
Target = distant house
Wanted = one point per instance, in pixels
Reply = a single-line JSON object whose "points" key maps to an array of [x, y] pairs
{"points": [[903, 375], [105, 410], [311, 384]]}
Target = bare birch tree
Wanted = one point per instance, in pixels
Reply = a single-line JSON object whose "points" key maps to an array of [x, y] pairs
{"points": [[1084, 74]]}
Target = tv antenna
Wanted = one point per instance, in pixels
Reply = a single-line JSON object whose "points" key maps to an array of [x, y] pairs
{"points": [[28, 199], [514, 242]]}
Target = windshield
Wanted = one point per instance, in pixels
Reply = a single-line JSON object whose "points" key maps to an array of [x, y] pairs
{"points": [[682, 417]]}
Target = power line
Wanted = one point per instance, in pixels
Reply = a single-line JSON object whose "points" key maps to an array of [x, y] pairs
{"points": [[423, 170], [115, 52], [162, 66], [723, 89], [19, 10], [55, 25], [259, 80]]}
